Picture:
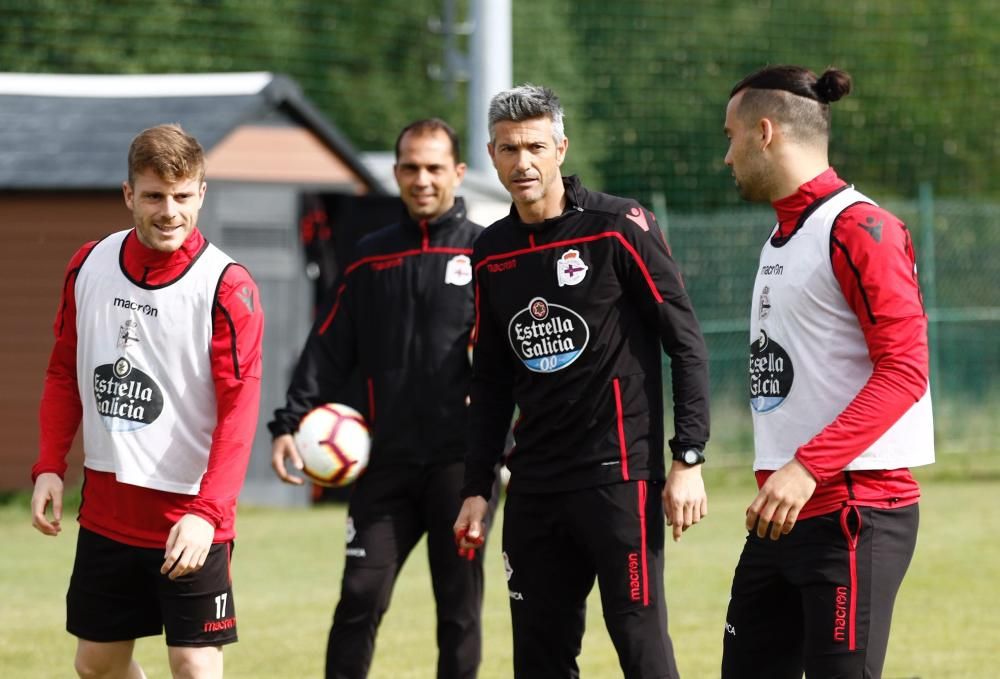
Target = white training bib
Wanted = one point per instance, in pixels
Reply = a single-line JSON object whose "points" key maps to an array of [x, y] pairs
{"points": [[144, 369], [808, 356]]}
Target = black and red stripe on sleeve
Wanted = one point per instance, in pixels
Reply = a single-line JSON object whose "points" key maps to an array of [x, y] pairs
{"points": [[655, 282]]}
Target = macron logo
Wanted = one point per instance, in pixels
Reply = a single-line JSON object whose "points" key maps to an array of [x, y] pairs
{"points": [[136, 306], [874, 230], [636, 216], [246, 296], [840, 615], [219, 625]]}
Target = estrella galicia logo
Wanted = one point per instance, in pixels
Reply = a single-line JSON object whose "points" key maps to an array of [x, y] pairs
{"points": [[547, 337], [127, 398], [771, 374]]}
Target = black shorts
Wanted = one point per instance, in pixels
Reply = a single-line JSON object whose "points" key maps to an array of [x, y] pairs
{"points": [[555, 545], [116, 593], [819, 599]]}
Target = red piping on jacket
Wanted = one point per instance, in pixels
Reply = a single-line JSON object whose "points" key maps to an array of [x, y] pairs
{"points": [[378, 258], [333, 310], [852, 549], [642, 532], [425, 242], [573, 241], [622, 448], [371, 403]]}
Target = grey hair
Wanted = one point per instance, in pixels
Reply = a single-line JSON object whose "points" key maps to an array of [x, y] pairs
{"points": [[526, 102]]}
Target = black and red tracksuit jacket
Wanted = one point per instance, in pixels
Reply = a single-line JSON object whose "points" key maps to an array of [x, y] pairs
{"points": [[402, 314], [572, 317]]}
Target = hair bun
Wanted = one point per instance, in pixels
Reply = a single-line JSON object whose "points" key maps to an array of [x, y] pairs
{"points": [[832, 85]]}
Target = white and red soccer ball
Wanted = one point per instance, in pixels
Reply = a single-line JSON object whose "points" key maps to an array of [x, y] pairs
{"points": [[334, 443]]}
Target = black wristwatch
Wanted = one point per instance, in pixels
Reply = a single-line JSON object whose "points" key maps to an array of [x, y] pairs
{"points": [[689, 456]]}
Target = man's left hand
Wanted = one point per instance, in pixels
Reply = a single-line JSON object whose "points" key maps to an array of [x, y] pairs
{"points": [[470, 526], [684, 500], [780, 499], [187, 546]]}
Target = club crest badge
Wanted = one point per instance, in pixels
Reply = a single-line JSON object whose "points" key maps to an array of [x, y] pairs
{"points": [[128, 334], [570, 269], [765, 304], [458, 270], [351, 531]]}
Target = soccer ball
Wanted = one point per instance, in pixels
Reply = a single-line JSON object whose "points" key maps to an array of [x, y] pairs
{"points": [[333, 442]]}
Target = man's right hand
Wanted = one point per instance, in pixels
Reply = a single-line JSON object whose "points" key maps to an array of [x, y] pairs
{"points": [[283, 449], [470, 526], [48, 488]]}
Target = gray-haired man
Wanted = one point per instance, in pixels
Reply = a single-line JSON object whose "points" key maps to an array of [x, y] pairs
{"points": [[577, 298]]}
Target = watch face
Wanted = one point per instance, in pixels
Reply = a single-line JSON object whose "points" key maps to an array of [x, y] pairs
{"points": [[690, 457]]}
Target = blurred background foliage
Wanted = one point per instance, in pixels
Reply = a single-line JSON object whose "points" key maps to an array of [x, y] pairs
{"points": [[644, 84]]}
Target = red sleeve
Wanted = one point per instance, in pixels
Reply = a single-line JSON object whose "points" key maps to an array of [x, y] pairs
{"points": [[60, 411], [236, 369], [873, 260]]}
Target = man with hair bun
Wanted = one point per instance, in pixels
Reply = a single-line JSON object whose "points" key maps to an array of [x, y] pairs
{"points": [[839, 395]]}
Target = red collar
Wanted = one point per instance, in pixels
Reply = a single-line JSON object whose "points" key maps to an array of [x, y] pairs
{"points": [[155, 267], [790, 207]]}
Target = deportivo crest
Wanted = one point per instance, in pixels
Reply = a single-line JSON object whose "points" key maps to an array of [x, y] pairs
{"points": [[458, 270], [570, 269], [506, 566], [771, 374], [765, 304], [547, 337], [127, 398], [351, 532], [128, 333]]}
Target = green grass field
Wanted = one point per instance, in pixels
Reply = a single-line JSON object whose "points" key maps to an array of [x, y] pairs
{"points": [[287, 569]]}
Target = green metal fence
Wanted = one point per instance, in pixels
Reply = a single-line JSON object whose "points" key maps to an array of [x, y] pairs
{"points": [[955, 243], [645, 84]]}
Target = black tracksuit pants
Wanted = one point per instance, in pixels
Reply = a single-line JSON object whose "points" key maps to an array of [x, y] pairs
{"points": [[555, 545], [390, 510], [819, 600]]}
